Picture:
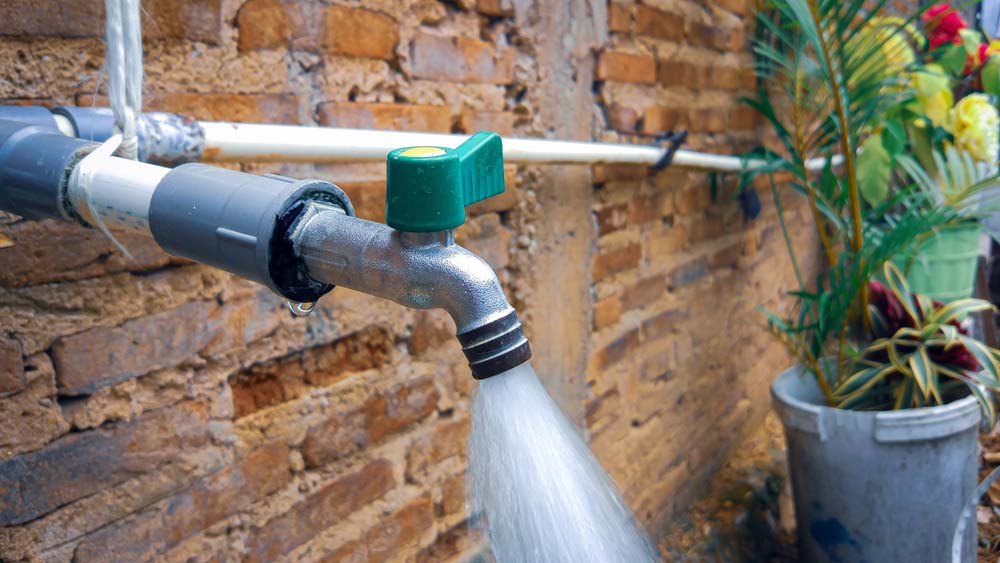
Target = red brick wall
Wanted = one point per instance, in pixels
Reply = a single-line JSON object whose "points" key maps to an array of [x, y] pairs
{"points": [[161, 410]]}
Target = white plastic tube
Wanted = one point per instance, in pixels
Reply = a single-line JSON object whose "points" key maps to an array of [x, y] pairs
{"points": [[230, 142], [118, 190]]}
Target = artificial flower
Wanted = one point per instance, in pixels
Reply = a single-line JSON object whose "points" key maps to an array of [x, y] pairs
{"points": [[933, 93], [942, 24], [974, 123]]}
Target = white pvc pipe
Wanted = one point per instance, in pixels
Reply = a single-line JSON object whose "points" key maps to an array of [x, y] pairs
{"points": [[229, 142], [118, 190]]}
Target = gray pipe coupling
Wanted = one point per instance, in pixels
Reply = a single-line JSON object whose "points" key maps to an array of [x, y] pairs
{"points": [[240, 223]]}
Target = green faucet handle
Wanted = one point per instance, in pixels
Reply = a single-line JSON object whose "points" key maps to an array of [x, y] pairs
{"points": [[427, 188]]}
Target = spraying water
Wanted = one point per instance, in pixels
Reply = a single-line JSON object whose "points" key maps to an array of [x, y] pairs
{"points": [[544, 496]]}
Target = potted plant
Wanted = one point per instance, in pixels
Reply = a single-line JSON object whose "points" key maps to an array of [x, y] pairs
{"points": [[881, 411]]}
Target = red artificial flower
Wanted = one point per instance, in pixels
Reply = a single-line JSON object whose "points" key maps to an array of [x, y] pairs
{"points": [[892, 310], [942, 24], [943, 18]]}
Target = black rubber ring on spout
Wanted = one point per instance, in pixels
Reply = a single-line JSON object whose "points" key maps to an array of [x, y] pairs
{"points": [[496, 347]]}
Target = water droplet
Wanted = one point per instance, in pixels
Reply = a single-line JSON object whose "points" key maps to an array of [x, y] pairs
{"points": [[301, 309]]}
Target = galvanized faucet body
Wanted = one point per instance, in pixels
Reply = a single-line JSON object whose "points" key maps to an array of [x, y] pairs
{"points": [[419, 270]]}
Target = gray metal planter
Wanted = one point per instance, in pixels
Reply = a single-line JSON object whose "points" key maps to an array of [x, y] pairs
{"points": [[877, 487]]}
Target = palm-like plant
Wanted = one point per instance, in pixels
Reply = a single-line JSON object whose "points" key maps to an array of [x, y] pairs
{"points": [[825, 85]]}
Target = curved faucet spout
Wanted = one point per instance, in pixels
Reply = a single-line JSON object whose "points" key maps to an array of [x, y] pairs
{"points": [[418, 270]]}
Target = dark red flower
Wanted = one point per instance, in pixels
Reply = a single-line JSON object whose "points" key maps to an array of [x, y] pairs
{"points": [[943, 19]]}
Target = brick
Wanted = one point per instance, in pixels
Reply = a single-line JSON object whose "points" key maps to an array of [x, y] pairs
{"points": [[394, 536], [643, 292], [11, 367], [659, 119], [643, 208], [36, 483], [368, 198], [103, 356], [611, 218], [621, 118], [666, 242], [677, 73], [486, 236], [620, 17], [738, 7], [656, 23], [499, 122], [81, 253], [271, 383], [208, 501], [604, 173], [727, 256], [459, 59], [707, 228], [447, 439], [688, 273], [453, 496], [661, 324], [743, 118], [615, 261], [381, 414], [607, 312], [457, 544], [197, 20], [626, 67], [495, 8], [406, 117], [713, 37], [692, 200], [357, 32], [600, 407], [617, 350], [266, 24], [246, 108], [708, 120], [318, 511], [430, 330]]}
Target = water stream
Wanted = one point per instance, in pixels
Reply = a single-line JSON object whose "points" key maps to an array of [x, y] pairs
{"points": [[542, 494]]}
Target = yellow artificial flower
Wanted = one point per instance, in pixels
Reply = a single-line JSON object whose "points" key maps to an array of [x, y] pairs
{"points": [[974, 122], [933, 93], [885, 44]]}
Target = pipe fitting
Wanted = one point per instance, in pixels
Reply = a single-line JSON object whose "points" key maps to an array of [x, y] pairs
{"points": [[240, 223], [417, 270]]}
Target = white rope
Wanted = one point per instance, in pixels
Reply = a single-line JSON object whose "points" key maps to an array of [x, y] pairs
{"points": [[123, 38]]}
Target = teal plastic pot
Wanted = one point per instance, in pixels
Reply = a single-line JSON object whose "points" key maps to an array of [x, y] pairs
{"points": [[878, 486], [944, 267]]}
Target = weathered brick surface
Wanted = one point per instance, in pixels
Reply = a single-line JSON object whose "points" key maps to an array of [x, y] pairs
{"points": [[248, 108], [399, 533], [403, 117], [199, 20], [103, 356], [11, 366], [379, 416], [65, 470], [626, 67], [459, 59], [319, 510], [359, 33], [206, 502]]}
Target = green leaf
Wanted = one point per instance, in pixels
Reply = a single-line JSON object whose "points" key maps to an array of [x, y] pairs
{"points": [[984, 356], [953, 59], [958, 309], [874, 168], [862, 381], [893, 137], [923, 372], [897, 284], [991, 76]]}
